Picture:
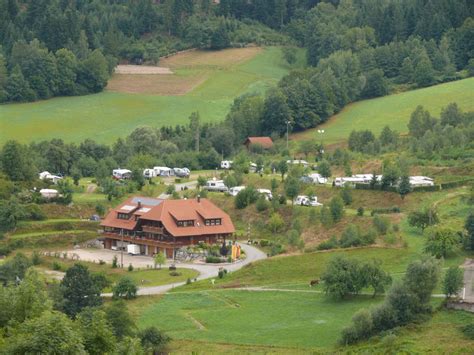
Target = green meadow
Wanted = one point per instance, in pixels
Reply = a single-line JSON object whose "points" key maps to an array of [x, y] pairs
{"points": [[108, 115], [293, 319], [393, 110]]}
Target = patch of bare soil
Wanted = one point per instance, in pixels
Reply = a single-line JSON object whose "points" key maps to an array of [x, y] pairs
{"points": [[142, 70], [166, 85]]}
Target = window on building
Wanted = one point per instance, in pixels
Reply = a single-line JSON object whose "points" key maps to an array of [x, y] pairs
{"points": [[123, 216], [213, 222]]}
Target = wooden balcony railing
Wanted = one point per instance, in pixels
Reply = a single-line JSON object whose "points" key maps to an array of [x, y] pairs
{"points": [[152, 229], [142, 239]]}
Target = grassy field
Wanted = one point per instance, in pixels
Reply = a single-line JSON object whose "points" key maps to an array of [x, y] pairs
{"points": [[306, 320], [392, 110], [108, 115]]}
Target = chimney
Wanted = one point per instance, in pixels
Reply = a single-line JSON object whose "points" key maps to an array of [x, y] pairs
{"points": [[139, 204], [199, 198]]}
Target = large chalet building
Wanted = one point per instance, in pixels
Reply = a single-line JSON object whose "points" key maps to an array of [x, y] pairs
{"points": [[165, 225]]}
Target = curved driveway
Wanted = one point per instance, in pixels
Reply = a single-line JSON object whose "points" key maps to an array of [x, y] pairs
{"points": [[206, 271]]}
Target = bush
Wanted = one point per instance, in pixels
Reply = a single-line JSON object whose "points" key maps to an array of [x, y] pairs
{"points": [[188, 281], [172, 267], [361, 328], [221, 274], [387, 210], [262, 204], [331, 243], [213, 259], [381, 224], [350, 237], [360, 211], [115, 262], [34, 212], [170, 189], [264, 243], [35, 258], [56, 266], [101, 262], [130, 267], [369, 237], [346, 195], [277, 249], [468, 331], [175, 273], [246, 197], [125, 288]]}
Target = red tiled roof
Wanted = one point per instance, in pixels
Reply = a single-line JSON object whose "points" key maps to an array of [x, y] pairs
{"points": [[169, 211], [265, 142], [190, 210]]}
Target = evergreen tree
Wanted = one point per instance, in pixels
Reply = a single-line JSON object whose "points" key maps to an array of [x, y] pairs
{"points": [[276, 113], [220, 38], [18, 88]]}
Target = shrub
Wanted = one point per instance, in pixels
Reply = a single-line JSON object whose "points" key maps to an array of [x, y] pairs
{"points": [[346, 195], [385, 210], [361, 328], [331, 243], [188, 281], [56, 266], [170, 189], [221, 274], [264, 243], [35, 258], [396, 228], [34, 212], [360, 211], [172, 267], [275, 223], [115, 262], [381, 224], [213, 259], [262, 204], [175, 273], [125, 288], [468, 331], [100, 209], [369, 237], [336, 206], [246, 197], [101, 262], [276, 249], [350, 237], [130, 267]]}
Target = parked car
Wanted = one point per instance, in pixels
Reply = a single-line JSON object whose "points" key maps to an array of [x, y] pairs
{"points": [[233, 191], [133, 249], [216, 185], [182, 173]]}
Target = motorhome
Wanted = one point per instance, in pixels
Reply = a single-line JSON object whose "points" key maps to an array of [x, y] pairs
{"points": [[226, 164], [121, 174], [304, 200], [318, 179], [149, 173], [216, 185], [267, 193], [163, 171], [233, 191]]}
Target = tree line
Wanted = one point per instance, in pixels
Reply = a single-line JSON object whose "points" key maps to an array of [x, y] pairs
{"points": [[60, 48]]}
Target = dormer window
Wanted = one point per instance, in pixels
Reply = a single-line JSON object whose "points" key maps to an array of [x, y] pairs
{"points": [[123, 215], [213, 222], [189, 223]]}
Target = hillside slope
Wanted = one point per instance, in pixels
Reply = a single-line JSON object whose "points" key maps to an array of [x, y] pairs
{"points": [[109, 115], [393, 110]]}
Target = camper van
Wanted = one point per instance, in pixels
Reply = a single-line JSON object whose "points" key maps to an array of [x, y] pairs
{"points": [[267, 193], [216, 185], [226, 164], [304, 200], [149, 173], [233, 191], [121, 174], [163, 171], [133, 249]]}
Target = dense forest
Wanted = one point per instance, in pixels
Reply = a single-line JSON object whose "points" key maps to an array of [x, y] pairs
{"points": [[355, 49]]}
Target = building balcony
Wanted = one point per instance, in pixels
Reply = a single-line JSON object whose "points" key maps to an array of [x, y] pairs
{"points": [[152, 229], [142, 240]]}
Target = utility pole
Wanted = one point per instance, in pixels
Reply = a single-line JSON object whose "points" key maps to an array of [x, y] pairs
{"points": [[121, 249], [287, 132]]}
